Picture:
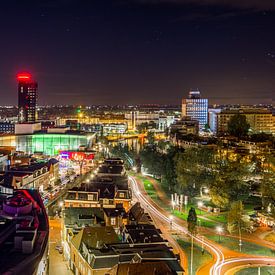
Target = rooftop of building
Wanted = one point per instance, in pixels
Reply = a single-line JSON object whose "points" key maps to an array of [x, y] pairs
{"points": [[109, 255], [35, 165], [6, 179], [246, 111], [31, 226], [137, 214], [83, 216], [115, 212], [95, 237], [113, 161], [147, 253], [45, 132], [105, 187], [144, 233], [29, 168], [111, 169], [148, 268]]}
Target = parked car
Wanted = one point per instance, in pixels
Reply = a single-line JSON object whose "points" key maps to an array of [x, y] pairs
{"points": [[59, 248]]}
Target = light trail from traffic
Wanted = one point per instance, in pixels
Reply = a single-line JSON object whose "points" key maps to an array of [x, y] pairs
{"points": [[245, 261], [220, 261], [216, 251]]}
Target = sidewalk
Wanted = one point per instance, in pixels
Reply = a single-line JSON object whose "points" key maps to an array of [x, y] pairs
{"points": [[57, 264]]}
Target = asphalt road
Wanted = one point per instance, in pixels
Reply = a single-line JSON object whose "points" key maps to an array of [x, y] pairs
{"points": [[225, 261]]}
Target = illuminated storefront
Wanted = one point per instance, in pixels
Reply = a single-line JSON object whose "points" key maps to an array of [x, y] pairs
{"points": [[77, 155], [50, 144]]}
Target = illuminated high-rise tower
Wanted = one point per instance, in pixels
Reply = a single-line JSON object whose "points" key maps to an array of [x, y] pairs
{"points": [[27, 98], [196, 108]]}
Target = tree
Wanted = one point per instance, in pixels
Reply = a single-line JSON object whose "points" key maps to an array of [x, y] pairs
{"points": [[236, 221], [152, 160], [194, 168], [261, 137], [151, 138], [229, 183], [238, 126], [124, 152], [268, 190], [143, 127], [169, 176], [219, 195], [192, 221]]}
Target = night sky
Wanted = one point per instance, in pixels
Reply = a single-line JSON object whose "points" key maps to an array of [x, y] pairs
{"points": [[135, 52]]}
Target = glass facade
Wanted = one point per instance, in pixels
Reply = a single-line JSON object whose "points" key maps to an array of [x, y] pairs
{"points": [[49, 144], [196, 108]]}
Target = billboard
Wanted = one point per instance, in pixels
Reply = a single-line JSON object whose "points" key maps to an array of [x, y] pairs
{"points": [[77, 155]]}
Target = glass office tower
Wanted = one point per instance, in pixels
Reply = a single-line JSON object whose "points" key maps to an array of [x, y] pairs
{"points": [[27, 98], [196, 108]]}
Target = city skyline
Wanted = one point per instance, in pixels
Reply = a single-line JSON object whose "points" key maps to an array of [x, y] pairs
{"points": [[138, 52]]}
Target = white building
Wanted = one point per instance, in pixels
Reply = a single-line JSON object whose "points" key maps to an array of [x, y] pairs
{"points": [[213, 119]]}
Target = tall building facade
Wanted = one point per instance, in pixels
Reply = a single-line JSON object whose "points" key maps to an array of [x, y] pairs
{"points": [[213, 119], [196, 107], [259, 119], [27, 98]]}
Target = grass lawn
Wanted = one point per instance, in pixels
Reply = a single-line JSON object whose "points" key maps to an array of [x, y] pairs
{"points": [[199, 258], [214, 219], [151, 191], [221, 218], [247, 247], [201, 221], [270, 237], [265, 270]]}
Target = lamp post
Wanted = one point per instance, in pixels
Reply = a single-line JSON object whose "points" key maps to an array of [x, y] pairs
{"points": [[199, 221], [240, 238], [192, 253], [171, 221], [202, 242], [219, 230], [200, 205]]}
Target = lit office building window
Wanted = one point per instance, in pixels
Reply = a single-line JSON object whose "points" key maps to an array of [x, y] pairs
{"points": [[196, 108]]}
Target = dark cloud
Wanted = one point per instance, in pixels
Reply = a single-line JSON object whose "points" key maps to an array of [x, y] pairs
{"points": [[211, 16], [241, 4]]}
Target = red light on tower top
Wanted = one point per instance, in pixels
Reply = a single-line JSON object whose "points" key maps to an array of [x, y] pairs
{"points": [[23, 76]]}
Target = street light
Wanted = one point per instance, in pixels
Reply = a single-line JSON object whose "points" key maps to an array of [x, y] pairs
{"points": [[200, 205], [171, 221], [219, 230], [61, 204], [268, 209], [199, 222]]}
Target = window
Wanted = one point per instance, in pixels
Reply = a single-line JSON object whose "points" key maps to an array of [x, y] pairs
{"points": [[113, 221], [121, 195]]}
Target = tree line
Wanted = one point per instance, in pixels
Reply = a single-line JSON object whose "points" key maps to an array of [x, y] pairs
{"points": [[226, 174]]}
